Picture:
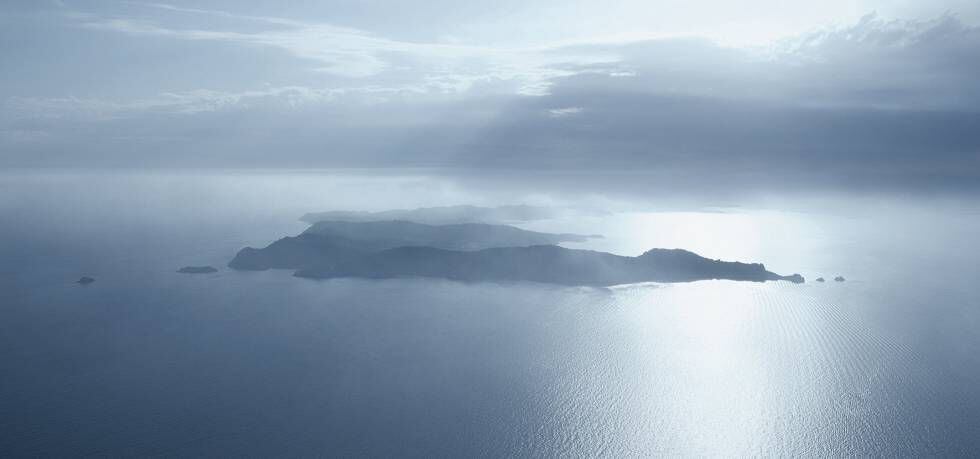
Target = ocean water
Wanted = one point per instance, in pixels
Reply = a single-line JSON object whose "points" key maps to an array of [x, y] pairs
{"points": [[149, 362]]}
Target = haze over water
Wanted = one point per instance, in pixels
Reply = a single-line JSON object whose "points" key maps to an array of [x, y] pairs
{"points": [[146, 361], [146, 147]]}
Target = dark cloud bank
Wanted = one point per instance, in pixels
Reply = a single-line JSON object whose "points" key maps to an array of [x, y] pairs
{"points": [[876, 105]]}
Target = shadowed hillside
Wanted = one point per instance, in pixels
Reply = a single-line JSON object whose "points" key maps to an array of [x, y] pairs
{"points": [[478, 252], [331, 241], [547, 264]]}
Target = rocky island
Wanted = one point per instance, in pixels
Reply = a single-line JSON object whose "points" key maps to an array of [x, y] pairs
{"points": [[479, 252], [197, 270]]}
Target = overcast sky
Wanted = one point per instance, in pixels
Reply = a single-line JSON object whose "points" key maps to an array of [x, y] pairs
{"points": [[703, 91]]}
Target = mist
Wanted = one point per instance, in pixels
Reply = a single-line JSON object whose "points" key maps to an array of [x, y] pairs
{"points": [[504, 229]]}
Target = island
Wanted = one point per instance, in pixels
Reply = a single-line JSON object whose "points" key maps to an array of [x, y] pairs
{"points": [[197, 270], [479, 252], [85, 280], [820, 279], [839, 279]]}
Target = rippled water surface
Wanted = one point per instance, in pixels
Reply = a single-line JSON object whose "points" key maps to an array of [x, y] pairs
{"points": [[146, 361]]}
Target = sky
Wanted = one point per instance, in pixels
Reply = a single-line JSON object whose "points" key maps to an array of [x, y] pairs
{"points": [[699, 93]]}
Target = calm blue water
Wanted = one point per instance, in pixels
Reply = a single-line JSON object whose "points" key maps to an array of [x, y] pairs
{"points": [[147, 362]]}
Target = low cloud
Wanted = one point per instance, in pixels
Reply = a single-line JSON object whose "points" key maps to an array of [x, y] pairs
{"points": [[564, 112], [352, 53], [195, 102], [876, 102]]}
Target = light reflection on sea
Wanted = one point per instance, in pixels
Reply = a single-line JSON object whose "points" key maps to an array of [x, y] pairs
{"points": [[149, 362]]}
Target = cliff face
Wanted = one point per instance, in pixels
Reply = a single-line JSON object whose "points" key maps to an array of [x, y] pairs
{"points": [[303, 251]]}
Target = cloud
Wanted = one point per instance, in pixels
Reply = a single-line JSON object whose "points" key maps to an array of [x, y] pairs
{"points": [[20, 136], [564, 112], [870, 103], [887, 64], [875, 104], [195, 102], [357, 54], [338, 51]]}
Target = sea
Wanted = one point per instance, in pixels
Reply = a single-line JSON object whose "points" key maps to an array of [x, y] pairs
{"points": [[149, 362]]}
